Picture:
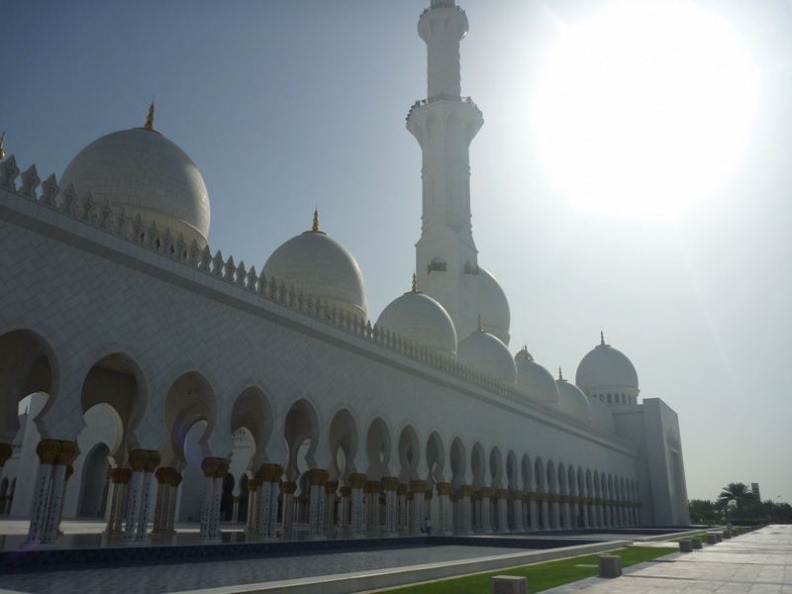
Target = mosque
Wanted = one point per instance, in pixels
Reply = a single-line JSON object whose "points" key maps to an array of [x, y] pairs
{"points": [[147, 379]]}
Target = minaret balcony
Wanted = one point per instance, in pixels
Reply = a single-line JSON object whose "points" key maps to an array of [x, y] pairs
{"points": [[442, 97]]}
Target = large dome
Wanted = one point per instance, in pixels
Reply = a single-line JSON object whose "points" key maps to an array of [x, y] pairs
{"points": [[421, 319], [535, 379], [484, 352], [318, 266], [493, 306], [607, 374], [147, 174], [572, 400]]}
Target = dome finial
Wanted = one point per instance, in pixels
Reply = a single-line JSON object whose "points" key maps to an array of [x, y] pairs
{"points": [[602, 338], [415, 283], [315, 225], [149, 125], [480, 326], [560, 375], [2, 143]]}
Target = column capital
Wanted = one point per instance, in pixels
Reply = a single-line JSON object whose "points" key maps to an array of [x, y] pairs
{"points": [[67, 454], [120, 476], [372, 487], [48, 450], [417, 486], [486, 492], [214, 467], [517, 496], [402, 489], [288, 487], [444, 488], [153, 461], [390, 483], [270, 473], [6, 449], [356, 480], [317, 476], [345, 491], [531, 496], [138, 460], [331, 487], [502, 494], [465, 491]]}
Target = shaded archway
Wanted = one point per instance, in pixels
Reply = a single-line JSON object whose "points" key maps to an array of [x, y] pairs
{"points": [[301, 432], [435, 459], [343, 443], [378, 448], [458, 461], [409, 454]]}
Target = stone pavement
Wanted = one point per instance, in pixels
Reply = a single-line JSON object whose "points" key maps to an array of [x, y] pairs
{"points": [[755, 563]]}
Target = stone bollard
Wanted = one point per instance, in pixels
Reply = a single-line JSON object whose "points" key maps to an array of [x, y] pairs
{"points": [[610, 566], [712, 538], [685, 546], [508, 584], [696, 543], [719, 536]]}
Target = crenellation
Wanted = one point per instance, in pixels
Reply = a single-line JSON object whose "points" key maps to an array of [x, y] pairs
{"points": [[217, 264], [68, 200], [8, 174], [229, 270], [240, 276], [30, 182], [50, 191], [106, 219], [162, 241]]}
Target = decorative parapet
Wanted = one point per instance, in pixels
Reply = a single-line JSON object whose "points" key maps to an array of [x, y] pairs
{"points": [[442, 97], [165, 242]]}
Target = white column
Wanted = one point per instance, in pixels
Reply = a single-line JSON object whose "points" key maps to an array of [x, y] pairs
{"points": [[288, 489], [390, 484], [356, 483], [517, 506], [503, 511], [445, 521], [317, 477], [465, 512], [119, 479], [152, 461], [417, 508]]}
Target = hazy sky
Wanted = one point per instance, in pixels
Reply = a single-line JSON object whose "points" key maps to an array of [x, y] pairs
{"points": [[285, 106]]}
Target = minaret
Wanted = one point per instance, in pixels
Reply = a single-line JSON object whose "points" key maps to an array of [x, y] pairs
{"points": [[444, 124]]}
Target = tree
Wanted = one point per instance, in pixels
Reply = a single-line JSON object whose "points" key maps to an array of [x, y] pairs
{"points": [[737, 496]]}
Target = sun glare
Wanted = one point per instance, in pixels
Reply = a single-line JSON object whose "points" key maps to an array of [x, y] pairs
{"points": [[645, 107]]}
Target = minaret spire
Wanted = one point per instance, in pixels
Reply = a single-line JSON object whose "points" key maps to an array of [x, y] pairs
{"points": [[444, 124], [2, 144]]}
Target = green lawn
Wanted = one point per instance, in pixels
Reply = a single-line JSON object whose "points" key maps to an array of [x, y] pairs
{"points": [[541, 576]]}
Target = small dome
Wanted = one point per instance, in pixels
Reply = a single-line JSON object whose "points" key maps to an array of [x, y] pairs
{"points": [[535, 379], [607, 371], [601, 417], [318, 266], [421, 319], [493, 307], [485, 353], [572, 400], [148, 175]]}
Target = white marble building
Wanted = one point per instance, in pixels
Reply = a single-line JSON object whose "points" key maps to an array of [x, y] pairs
{"points": [[145, 377]]}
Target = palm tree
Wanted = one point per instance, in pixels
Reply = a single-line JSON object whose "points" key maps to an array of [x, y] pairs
{"points": [[738, 494]]}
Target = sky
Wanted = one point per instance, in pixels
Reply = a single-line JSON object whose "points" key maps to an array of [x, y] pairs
{"points": [[288, 106]]}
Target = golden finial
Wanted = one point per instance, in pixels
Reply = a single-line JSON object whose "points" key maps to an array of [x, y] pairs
{"points": [[149, 125], [2, 142], [560, 375], [602, 338], [480, 326], [315, 226], [415, 283]]}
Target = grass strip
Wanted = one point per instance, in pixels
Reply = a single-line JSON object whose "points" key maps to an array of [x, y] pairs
{"points": [[540, 576]]}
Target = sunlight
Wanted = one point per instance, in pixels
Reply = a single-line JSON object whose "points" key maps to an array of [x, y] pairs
{"points": [[645, 107]]}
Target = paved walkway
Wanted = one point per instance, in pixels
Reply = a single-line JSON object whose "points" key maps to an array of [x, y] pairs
{"points": [[756, 563]]}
